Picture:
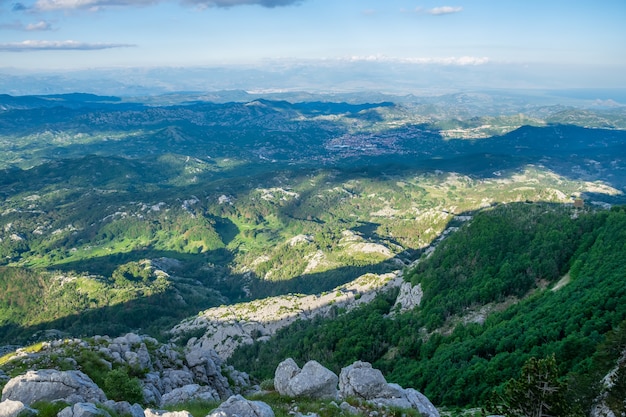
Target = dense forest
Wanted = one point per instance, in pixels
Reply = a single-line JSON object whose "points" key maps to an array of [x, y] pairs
{"points": [[519, 281]]}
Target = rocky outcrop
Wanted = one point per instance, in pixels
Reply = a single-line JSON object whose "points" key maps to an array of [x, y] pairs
{"points": [[362, 381], [409, 297], [313, 380], [600, 407], [124, 408], [162, 413], [49, 385], [191, 392], [170, 375], [83, 410], [228, 327], [10, 408], [237, 406]]}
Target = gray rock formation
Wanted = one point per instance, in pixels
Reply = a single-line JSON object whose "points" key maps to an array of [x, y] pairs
{"points": [[228, 327], [124, 408], [409, 297], [50, 385], [363, 381], [189, 392], [350, 409], [285, 371], [83, 410], [10, 408], [237, 406], [162, 413], [313, 380], [196, 373]]}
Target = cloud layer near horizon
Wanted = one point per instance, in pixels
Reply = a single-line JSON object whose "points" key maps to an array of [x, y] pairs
{"points": [[48, 5], [36, 45], [457, 61]]}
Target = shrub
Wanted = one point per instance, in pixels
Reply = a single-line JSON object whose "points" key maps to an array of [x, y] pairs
{"points": [[119, 386]]}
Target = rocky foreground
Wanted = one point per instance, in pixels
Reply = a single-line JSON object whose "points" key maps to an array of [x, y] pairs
{"points": [[154, 376]]}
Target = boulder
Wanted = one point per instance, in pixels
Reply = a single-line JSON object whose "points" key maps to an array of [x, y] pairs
{"points": [[285, 371], [124, 408], [363, 381], [10, 408], [49, 385], [83, 410], [313, 380], [197, 355], [350, 409], [189, 392], [162, 413], [237, 406]]}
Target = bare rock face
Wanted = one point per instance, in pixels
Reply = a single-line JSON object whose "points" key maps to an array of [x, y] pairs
{"points": [[49, 385], [313, 380], [409, 297], [363, 381], [237, 406]]}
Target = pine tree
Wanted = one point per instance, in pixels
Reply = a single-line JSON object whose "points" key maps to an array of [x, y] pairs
{"points": [[536, 393]]}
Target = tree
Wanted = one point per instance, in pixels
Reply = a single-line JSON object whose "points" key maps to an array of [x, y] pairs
{"points": [[536, 393]]}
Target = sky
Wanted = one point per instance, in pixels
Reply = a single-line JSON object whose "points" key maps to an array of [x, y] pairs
{"points": [[580, 39]]}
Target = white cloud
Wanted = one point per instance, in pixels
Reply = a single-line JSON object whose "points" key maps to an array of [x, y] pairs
{"points": [[31, 27], [444, 10], [95, 5], [231, 3], [41, 25], [46, 5], [456, 61], [37, 45]]}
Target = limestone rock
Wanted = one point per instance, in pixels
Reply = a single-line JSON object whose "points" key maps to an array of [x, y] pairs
{"points": [[162, 413], [189, 393], [285, 371], [350, 409], [409, 297], [50, 385], [313, 380], [10, 408], [83, 410], [237, 406], [124, 408], [361, 380]]}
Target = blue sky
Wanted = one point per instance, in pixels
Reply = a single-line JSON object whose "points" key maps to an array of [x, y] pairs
{"points": [[584, 37]]}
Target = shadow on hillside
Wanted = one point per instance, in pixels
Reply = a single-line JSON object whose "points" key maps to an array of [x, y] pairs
{"points": [[152, 314], [105, 265]]}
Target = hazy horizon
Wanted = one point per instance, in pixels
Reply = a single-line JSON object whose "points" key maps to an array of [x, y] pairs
{"points": [[392, 46]]}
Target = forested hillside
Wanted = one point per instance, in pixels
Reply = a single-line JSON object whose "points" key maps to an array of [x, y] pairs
{"points": [[519, 281]]}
